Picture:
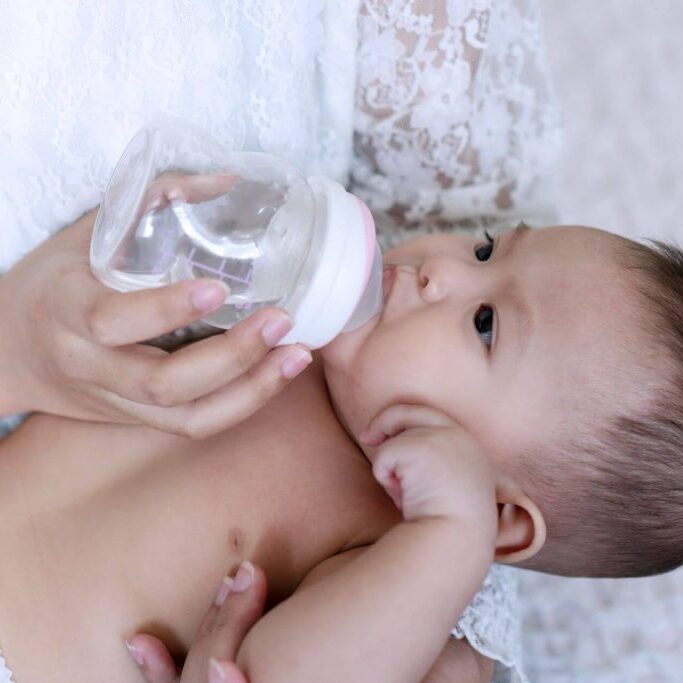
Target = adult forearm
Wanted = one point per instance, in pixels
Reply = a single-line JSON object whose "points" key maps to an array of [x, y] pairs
{"points": [[383, 617]]}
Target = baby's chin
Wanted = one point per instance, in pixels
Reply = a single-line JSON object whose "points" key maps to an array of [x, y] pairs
{"points": [[341, 352], [340, 370]]}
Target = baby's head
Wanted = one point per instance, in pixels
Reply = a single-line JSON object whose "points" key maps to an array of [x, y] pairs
{"points": [[561, 352]]}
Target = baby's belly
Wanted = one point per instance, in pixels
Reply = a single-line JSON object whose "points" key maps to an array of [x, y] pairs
{"points": [[108, 530]]}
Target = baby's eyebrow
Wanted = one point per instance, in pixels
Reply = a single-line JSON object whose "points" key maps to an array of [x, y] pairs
{"points": [[523, 318], [523, 322], [517, 234]]}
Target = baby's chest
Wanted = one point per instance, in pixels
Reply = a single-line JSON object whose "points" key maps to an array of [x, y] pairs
{"points": [[286, 502]]}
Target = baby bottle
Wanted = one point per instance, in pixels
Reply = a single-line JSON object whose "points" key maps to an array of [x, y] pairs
{"points": [[180, 206]]}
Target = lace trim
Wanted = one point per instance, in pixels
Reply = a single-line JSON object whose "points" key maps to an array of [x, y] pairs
{"points": [[455, 116], [5, 673], [492, 627]]}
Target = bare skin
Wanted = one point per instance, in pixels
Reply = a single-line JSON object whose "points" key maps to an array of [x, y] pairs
{"points": [[109, 530]]}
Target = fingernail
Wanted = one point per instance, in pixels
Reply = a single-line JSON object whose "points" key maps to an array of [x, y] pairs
{"points": [[209, 295], [224, 591], [275, 329], [137, 655], [244, 577], [295, 363], [216, 673]]}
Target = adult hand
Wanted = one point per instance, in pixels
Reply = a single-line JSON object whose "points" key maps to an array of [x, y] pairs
{"points": [[69, 346], [211, 658]]}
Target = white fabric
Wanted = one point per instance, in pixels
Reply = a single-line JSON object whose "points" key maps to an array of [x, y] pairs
{"points": [[492, 625], [78, 79], [5, 673], [603, 630], [454, 123]]}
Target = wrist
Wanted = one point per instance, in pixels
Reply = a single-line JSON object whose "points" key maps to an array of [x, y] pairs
{"points": [[473, 512], [455, 533]]}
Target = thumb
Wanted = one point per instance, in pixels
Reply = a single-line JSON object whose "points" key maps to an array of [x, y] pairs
{"points": [[153, 658]]}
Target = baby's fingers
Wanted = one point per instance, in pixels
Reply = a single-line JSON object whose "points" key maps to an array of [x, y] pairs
{"points": [[400, 417]]}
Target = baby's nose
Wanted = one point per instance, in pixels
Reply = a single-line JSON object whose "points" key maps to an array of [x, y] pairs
{"points": [[441, 277]]}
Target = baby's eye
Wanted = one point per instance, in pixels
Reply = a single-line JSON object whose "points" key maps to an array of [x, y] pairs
{"points": [[483, 252], [483, 323]]}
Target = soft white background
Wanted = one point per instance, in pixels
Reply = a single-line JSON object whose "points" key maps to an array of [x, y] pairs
{"points": [[618, 70]]}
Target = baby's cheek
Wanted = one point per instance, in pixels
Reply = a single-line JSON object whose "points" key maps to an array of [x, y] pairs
{"points": [[341, 352]]}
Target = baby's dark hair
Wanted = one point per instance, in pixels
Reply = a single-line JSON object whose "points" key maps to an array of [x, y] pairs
{"points": [[620, 513]]}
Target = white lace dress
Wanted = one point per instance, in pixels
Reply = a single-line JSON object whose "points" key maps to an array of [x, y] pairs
{"points": [[436, 112]]}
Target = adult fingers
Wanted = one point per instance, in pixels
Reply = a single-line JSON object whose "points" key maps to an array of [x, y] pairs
{"points": [[237, 607], [146, 374], [243, 397], [187, 188], [225, 672], [117, 318], [228, 406], [205, 366], [153, 658], [112, 318], [241, 609]]}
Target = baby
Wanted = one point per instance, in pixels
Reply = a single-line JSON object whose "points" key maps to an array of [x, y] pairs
{"points": [[561, 352], [503, 412]]}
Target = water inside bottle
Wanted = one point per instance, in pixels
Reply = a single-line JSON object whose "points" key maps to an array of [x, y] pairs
{"points": [[234, 237]]}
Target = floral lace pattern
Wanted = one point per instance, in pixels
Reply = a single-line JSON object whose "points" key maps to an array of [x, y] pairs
{"points": [[453, 125], [5, 673], [456, 124], [79, 79], [492, 625]]}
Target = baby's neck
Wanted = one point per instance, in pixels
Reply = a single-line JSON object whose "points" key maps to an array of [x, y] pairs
{"points": [[318, 366]]}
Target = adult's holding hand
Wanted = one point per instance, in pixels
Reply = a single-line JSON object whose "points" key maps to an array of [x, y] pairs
{"points": [[238, 606], [69, 346]]}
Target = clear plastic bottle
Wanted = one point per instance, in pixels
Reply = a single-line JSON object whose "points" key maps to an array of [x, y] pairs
{"points": [[180, 206]]}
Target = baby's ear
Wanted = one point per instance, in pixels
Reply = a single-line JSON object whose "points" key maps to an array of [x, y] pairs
{"points": [[521, 526]]}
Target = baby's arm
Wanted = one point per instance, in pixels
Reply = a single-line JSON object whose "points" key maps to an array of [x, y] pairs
{"points": [[386, 614], [459, 662]]}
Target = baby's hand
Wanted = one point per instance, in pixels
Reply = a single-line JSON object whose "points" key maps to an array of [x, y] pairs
{"points": [[430, 467], [70, 346]]}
